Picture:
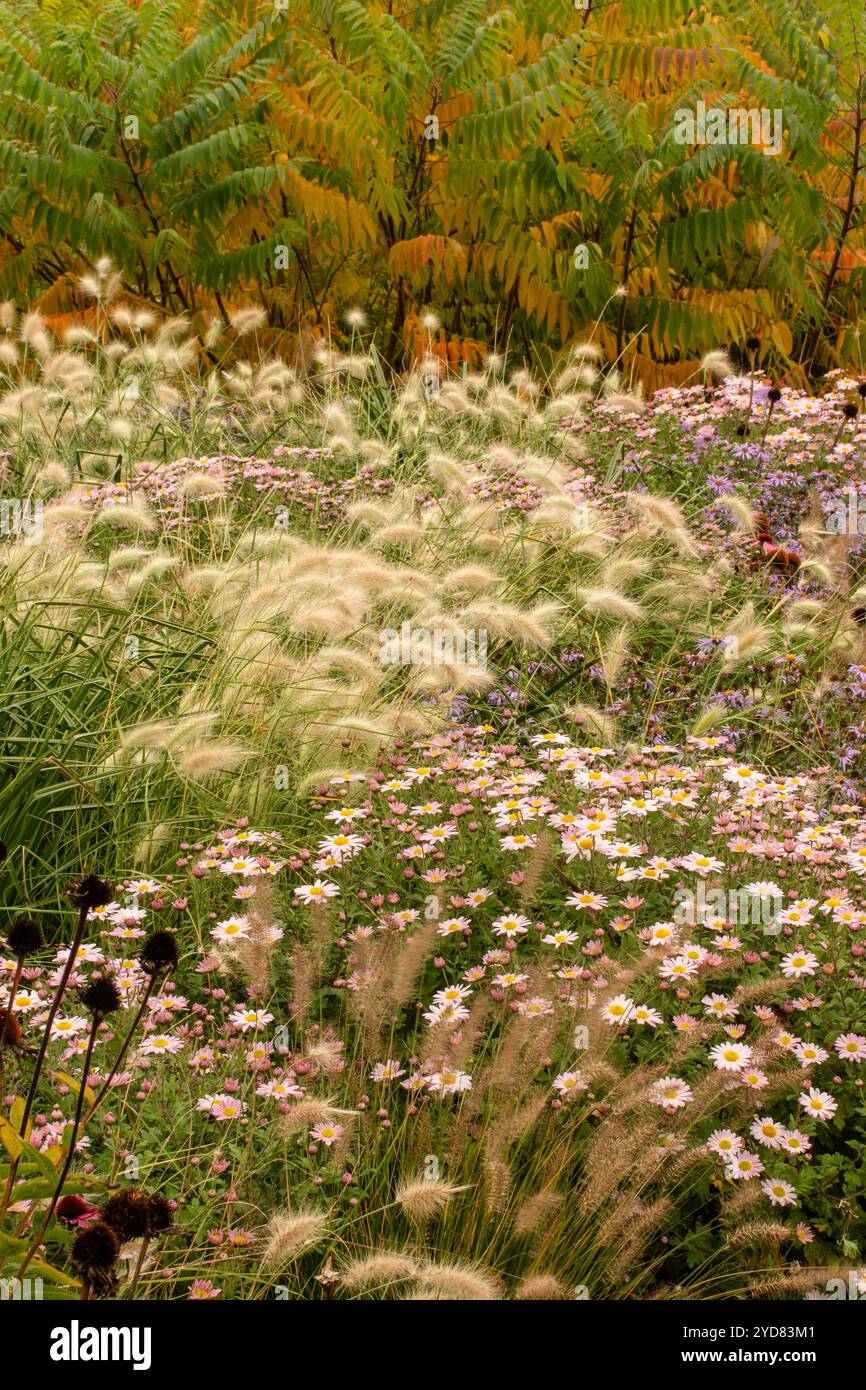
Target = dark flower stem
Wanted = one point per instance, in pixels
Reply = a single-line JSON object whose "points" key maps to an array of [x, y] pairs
{"points": [[7, 1017], [123, 1049], [839, 433], [751, 384], [43, 1048], [767, 422], [70, 1153], [100, 1093], [52, 1014]]}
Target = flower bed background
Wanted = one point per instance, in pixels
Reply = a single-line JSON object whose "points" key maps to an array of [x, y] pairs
{"points": [[437, 1025]]}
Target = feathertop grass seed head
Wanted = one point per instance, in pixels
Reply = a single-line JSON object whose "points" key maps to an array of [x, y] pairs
{"points": [[717, 365], [710, 718], [610, 602], [211, 761], [741, 511], [758, 1233], [424, 1198], [198, 486], [594, 720], [462, 1283], [383, 1267], [288, 1235], [541, 1286], [309, 1112]]}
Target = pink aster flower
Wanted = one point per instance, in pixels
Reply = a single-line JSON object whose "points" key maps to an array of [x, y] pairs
{"points": [[161, 1044], [221, 1107], [327, 1134], [851, 1047], [203, 1288], [780, 1193], [819, 1104]]}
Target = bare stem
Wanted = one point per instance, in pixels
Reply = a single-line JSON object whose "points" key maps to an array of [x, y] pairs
{"points": [[7, 1017], [43, 1048], [70, 1152], [139, 1265]]}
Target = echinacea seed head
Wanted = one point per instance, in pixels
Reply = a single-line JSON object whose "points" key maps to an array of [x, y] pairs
{"points": [[97, 1248], [101, 996], [159, 952], [850, 410], [9, 1030], [160, 1214], [89, 892], [752, 344], [128, 1214], [25, 937]]}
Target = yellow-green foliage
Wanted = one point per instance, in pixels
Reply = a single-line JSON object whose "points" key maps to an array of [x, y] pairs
{"points": [[516, 165]]}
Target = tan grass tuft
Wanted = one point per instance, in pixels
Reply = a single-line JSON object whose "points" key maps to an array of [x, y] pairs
{"points": [[460, 1282], [541, 1287], [424, 1198], [610, 602], [385, 1267], [758, 1233], [311, 1111], [535, 1210], [211, 760], [289, 1234], [717, 365]]}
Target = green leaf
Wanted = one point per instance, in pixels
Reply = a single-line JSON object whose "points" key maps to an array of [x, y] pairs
{"points": [[10, 1139]]}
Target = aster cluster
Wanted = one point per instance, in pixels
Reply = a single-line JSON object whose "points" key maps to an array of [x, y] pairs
{"points": [[732, 437], [671, 930]]}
